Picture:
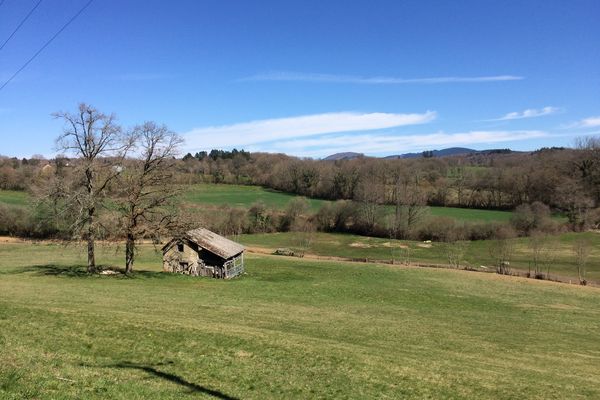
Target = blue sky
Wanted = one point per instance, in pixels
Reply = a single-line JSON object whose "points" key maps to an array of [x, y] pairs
{"points": [[309, 78]]}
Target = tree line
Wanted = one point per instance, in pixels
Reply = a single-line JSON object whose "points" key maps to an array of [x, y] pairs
{"points": [[567, 180]]}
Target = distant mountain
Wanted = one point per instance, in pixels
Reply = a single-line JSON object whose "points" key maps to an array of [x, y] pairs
{"points": [[451, 151], [343, 156]]}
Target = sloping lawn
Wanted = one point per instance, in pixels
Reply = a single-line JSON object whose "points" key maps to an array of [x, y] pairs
{"points": [[242, 196], [290, 328]]}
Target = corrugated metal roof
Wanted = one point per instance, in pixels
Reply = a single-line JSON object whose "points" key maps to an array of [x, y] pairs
{"points": [[214, 243]]}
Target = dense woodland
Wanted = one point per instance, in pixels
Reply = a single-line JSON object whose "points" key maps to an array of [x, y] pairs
{"points": [[548, 181]]}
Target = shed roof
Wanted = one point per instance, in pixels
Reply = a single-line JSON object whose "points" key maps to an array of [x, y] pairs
{"points": [[214, 243]]}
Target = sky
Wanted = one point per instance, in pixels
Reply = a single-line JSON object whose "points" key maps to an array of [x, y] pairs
{"points": [[307, 78]]}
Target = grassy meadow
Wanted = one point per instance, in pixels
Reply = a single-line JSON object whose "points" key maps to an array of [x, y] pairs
{"points": [[14, 197], [244, 196], [289, 328], [241, 196], [477, 253]]}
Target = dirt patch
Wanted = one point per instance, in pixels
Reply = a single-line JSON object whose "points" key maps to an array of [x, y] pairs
{"points": [[259, 250], [10, 239], [109, 272], [361, 245], [424, 245], [396, 246]]}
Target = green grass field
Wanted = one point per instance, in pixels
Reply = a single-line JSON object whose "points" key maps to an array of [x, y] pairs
{"points": [[244, 196], [466, 214], [477, 254], [13, 197], [290, 328]]}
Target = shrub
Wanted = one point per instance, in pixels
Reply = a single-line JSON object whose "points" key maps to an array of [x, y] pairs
{"points": [[295, 208], [530, 217], [438, 229]]}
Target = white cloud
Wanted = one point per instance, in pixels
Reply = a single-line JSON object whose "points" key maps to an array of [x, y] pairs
{"points": [[392, 144], [330, 78], [247, 133], [590, 122], [529, 113]]}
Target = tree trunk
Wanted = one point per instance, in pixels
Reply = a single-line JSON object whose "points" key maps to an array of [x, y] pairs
{"points": [[129, 253], [91, 214], [91, 267]]}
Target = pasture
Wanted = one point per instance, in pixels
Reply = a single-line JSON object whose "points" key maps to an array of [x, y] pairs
{"points": [[290, 328], [241, 196], [244, 196], [477, 254], [14, 197]]}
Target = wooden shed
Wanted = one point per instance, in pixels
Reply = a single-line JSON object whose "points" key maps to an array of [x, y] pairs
{"points": [[201, 252]]}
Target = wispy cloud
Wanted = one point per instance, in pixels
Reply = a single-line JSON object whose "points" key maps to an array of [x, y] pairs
{"points": [[248, 133], [529, 113], [590, 122], [393, 144], [377, 80]]}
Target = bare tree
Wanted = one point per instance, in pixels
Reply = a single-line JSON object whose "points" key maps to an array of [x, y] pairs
{"points": [[304, 234], [542, 254], [146, 186], [295, 209], [95, 139], [369, 200], [588, 164], [409, 204], [455, 248], [582, 249], [502, 249]]}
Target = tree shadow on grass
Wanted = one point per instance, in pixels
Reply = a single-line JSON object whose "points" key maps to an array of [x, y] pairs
{"points": [[80, 271], [71, 271], [175, 379]]}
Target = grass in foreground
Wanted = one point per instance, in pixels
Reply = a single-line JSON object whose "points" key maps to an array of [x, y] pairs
{"points": [[288, 329]]}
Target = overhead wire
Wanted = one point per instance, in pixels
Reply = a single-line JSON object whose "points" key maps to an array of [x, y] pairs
{"points": [[20, 24], [37, 53]]}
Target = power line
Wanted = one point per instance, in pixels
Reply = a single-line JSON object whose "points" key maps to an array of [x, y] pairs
{"points": [[21, 24], [37, 53]]}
